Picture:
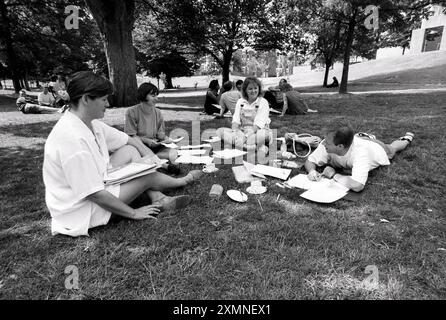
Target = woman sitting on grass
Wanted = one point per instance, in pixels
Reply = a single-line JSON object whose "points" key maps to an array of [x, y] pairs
{"points": [[250, 122], [146, 122], [293, 103], [211, 103], [78, 153]]}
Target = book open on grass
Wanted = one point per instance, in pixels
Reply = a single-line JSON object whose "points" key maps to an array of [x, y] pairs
{"points": [[128, 172], [249, 167]]}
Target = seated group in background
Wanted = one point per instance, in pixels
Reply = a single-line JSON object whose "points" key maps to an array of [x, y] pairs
{"points": [[79, 152], [287, 100], [250, 121], [356, 155], [28, 105]]}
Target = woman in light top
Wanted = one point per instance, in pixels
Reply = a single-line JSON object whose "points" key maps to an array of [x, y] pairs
{"points": [[79, 152], [250, 122]]}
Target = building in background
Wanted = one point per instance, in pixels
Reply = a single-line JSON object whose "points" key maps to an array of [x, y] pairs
{"points": [[432, 34]]}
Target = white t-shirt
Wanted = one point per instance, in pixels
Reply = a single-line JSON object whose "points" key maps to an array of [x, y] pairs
{"points": [[45, 98], [74, 165], [362, 156], [248, 114]]}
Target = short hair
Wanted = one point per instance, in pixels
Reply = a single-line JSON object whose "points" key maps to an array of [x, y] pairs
{"points": [[88, 83], [146, 88], [285, 87], [247, 82], [239, 83], [227, 86], [343, 135], [214, 84]]}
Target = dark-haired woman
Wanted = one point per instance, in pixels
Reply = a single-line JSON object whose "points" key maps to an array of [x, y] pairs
{"points": [[146, 121], [212, 99], [79, 152]]}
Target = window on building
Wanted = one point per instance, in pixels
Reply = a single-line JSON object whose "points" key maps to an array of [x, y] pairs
{"points": [[432, 39]]}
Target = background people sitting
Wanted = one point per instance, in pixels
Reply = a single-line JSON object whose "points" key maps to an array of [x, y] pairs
{"points": [[274, 96], [212, 98], [293, 103], [45, 98], [334, 84], [27, 105], [356, 154]]}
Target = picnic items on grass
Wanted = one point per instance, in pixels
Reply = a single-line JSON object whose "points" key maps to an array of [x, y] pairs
{"points": [[304, 138], [237, 195]]}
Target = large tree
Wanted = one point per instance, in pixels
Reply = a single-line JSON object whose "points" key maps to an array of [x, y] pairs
{"points": [[215, 28], [115, 19]]}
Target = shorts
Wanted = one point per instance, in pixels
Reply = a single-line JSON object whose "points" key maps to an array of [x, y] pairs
{"points": [[100, 216], [390, 151]]}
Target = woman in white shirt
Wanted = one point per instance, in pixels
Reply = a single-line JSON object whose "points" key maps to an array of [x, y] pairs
{"points": [[79, 151], [250, 122]]}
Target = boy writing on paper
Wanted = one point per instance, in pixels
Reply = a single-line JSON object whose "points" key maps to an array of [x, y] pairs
{"points": [[359, 153]]}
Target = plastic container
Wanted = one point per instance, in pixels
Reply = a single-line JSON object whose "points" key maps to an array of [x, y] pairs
{"points": [[216, 191]]}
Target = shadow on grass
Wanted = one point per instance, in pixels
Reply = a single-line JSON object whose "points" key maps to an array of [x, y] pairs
{"points": [[30, 130]]}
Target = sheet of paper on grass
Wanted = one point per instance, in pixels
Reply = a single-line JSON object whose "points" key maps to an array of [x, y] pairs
{"points": [[176, 140], [194, 160], [228, 153], [193, 152], [278, 173], [129, 172], [326, 193], [199, 146], [243, 176], [249, 167], [274, 111]]}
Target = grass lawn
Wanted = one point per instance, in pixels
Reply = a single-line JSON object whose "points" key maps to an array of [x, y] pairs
{"points": [[218, 249]]}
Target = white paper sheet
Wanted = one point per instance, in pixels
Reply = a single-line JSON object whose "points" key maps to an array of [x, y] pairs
{"points": [[176, 140], [242, 175], [249, 167], [278, 173], [326, 193], [206, 145], [194, 160], [228, 153], [191, 152]]}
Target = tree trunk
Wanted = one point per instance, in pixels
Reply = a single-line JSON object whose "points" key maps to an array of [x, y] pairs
{"points": [[327, 71], [404, 50], [10, 54], [26, 82], [115, 19], [348, 49], [168, 83], [225, 68]]}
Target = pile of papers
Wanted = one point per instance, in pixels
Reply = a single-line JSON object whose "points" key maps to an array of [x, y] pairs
{"points": [[189, 159], [128, 172]]}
